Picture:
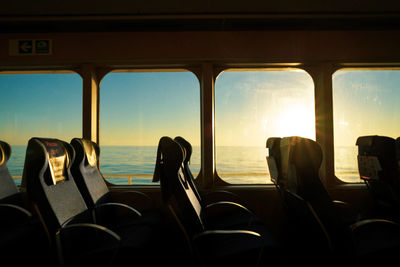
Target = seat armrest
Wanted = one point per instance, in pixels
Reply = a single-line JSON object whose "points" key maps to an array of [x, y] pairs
{"points": [[13, 215], [228, 248], [219, 195], [114, 215], [346, 212], [136, 199], [224, 209], [376, 241], [86, 244]]}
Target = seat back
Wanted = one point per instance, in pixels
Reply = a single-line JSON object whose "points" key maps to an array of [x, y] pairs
{"points": [[304, 222], [86, 173], [186, 169], [175, 187], [378, 167], [21, 233], [301, 160], [274, 159], [9, 192], [49, 183], [377, 158]]}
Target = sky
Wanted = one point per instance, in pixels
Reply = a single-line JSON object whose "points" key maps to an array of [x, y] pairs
{"points": [[40, 105], [365, 103], [250, 106]]}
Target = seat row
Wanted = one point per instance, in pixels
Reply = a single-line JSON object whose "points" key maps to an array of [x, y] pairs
{"points": [[333, 230], [80, 222], [73, 211], [222, 233]]}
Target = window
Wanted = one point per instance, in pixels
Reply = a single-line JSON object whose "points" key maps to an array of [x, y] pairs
{"points": [[38, 105], [365, 102], [250, 107], [136, 110]]}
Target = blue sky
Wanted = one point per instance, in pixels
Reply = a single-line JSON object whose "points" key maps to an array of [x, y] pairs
{"points": [[139, 108], [41, 105]]}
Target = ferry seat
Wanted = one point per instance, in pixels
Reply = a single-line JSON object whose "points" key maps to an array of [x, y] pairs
{"points": [[69, 222], [205, 197], [274, 159], [222, 209], [20, 231], [211, 247], [305, 232], [378, 168], [94, 189], [301, 159]]}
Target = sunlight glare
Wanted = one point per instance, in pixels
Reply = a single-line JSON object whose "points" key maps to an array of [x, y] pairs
{"points": [[298, 120]]}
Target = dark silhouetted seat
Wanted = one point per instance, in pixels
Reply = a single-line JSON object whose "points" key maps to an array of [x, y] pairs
{"points": [[70, 224], [212, 247], [378, 167], [21, 233], [223, 210], [305, 230], [94, 189], [299, 182]]}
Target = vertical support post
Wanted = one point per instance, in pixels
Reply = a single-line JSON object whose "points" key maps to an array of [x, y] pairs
{"points": [[90, 102], [322, 76], [207, 175]]}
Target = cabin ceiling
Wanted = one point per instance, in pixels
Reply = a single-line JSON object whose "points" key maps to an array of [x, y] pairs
{"points": [[165, 15]]}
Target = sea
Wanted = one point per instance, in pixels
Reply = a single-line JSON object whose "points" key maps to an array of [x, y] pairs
{"points": [[234, 164]]}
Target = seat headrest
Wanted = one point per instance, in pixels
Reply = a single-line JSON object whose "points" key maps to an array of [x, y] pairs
{"points": [[170, 157], [170, 154], [300, 157], [87, 149], [58, 158], [5, 152], [306, 154], [186, 146], [376, 157]]}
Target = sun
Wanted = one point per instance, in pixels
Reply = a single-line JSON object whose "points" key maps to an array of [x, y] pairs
{"points": [[297, 120]]}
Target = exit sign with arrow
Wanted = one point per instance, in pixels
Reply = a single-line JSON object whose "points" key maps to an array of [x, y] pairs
{"points": [[22, 47]]}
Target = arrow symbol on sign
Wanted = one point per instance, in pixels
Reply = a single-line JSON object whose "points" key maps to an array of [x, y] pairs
{"points": [[26, 47]]}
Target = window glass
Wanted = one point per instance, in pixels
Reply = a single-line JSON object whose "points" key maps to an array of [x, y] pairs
{"points": [[250, 107], [136, 110], [38, 105], [365, 102]]}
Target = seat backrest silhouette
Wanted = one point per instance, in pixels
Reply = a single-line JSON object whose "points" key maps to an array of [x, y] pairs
{"points": [[228, 211], [56, 198], [86, 172], [287, 173], [20, 231], [378, 167], [175, 186], [274, 159], [49, 183], [215, 248], [9, 192], [188, 152], [301, 160]]}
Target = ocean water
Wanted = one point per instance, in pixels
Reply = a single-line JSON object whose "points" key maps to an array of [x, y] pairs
{"points": [[237, 165]]}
